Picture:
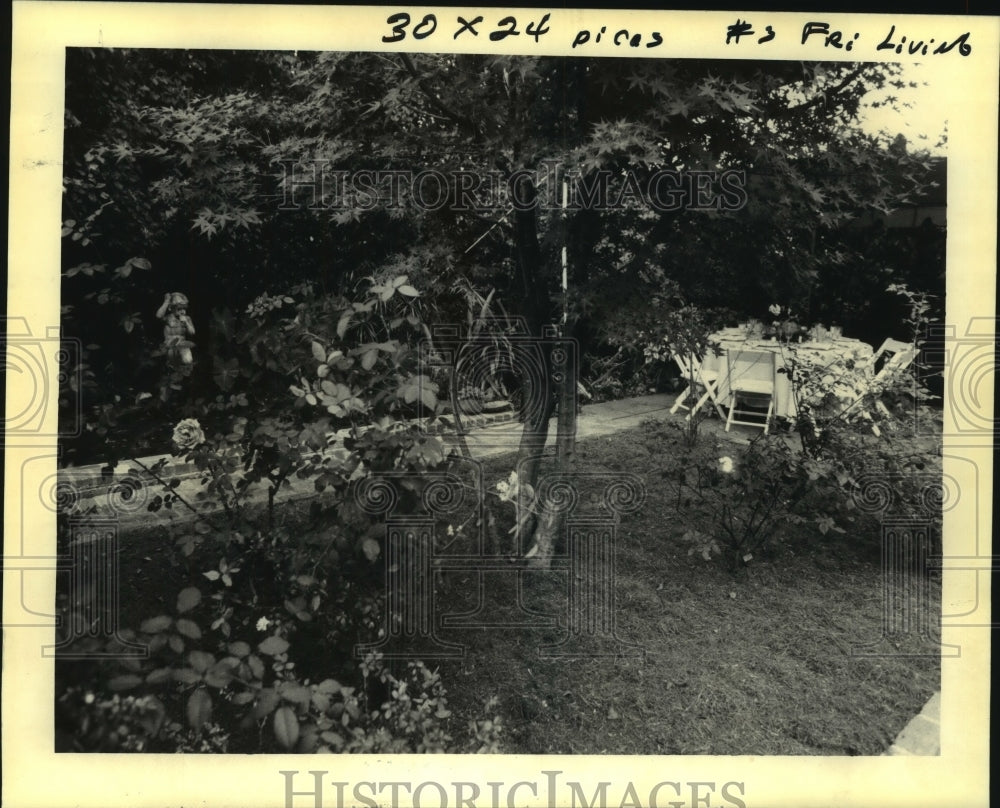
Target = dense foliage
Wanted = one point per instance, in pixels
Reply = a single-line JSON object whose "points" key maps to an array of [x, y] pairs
{"points": [[192, 171]]}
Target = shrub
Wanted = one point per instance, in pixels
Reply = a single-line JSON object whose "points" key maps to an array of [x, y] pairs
{"points": [[262, 634], [237, 703], [733, 500]]}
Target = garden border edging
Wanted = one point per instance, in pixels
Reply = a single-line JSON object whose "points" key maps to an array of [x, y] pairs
{"points": [[95, 481]]}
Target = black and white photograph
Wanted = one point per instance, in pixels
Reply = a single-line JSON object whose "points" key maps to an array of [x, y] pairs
{"points": [[514, 385]]}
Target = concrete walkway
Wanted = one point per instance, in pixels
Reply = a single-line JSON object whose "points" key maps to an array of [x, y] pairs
{"points": [[922, 736], [125, 492], [594, 420], [486, 435], [598, 420]]}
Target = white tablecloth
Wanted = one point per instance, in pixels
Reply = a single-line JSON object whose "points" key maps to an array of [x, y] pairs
{"points": [[839, 366]]}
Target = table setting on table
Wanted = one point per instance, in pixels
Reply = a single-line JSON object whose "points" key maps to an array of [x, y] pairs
{"points": [[837, 364]]}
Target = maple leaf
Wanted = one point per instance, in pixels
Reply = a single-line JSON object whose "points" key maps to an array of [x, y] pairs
{"points": [[679, 107]]}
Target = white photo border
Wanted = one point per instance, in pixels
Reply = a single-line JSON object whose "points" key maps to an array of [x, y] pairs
{"points": [[36, 776]]}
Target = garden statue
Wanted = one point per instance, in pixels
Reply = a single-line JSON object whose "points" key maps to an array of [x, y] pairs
{"points": [[177, 327]]}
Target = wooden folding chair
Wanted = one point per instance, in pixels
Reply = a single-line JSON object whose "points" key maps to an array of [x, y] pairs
{"points": [[892, 357], [893, 353], [752, 381], [694, 371]]}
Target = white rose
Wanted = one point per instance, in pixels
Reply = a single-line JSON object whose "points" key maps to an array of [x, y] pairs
{"points": [[188, 434], [726, 465]]}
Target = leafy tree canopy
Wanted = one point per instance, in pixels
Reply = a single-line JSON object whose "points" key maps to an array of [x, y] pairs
{"points": [[181, 170]]}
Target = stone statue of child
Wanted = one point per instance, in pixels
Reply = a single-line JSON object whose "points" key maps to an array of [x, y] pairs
{"points": [[177, 327]]}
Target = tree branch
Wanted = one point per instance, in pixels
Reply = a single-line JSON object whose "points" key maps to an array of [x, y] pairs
{"points": [[854, 74], [435, 100]]}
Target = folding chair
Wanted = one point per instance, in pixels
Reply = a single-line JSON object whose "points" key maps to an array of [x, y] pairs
{"points": [[694, 370], [891, 358], [900, 356], [752, 381]]}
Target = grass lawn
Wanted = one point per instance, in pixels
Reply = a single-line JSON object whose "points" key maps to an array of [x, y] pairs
{"points": [[754, 662], [757, 661]]}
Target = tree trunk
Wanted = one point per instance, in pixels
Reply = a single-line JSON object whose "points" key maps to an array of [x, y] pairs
{"points": [[546, 528], [537, 316], [551, 520]]}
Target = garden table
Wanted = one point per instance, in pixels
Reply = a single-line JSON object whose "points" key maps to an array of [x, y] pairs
{"points": [[839, 365]]}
